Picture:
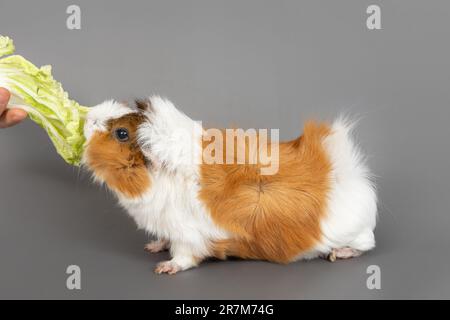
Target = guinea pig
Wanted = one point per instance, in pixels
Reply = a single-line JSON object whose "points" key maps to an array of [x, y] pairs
{"points": [[320, 202]]}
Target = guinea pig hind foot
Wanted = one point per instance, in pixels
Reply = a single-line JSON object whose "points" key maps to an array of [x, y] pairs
{"points": [[343, 253], [157, 246]]}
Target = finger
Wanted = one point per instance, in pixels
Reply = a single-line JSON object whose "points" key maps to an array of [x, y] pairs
{"points": [[11, 117], [4, 98]]}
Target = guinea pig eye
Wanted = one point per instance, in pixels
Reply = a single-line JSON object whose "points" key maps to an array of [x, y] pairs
{"points": [[121, 134]]}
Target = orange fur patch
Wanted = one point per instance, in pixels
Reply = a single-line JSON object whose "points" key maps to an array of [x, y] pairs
{"points": [[121, 165], [271, 217]]}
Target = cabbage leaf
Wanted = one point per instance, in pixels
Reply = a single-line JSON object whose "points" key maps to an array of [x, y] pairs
{"points": [[34, 90]]}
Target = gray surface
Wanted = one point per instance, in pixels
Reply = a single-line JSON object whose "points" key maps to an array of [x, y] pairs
{"points": [[252, 63]]}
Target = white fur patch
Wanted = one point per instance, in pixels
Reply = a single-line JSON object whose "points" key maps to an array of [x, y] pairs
{"points": [[170, 138], [352, 202], [170, 210], [99, 115]]}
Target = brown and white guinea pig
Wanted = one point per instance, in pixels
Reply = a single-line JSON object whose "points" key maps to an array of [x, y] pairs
{"points": [[319, 203]]}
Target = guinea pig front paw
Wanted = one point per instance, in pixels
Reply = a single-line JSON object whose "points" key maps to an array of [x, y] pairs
{"points": [[157, 246], [169, 267]]}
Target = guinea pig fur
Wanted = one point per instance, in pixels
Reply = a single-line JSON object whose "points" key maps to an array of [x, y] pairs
{"points": [[321, 202]]}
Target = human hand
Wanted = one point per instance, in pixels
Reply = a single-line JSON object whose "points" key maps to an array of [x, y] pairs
{"points": [[9, 117]]}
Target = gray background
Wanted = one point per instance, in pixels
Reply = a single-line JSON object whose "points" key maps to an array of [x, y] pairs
{"points": [[262, 64]]}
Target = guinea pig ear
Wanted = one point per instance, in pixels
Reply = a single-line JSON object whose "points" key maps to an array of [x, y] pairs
{"points": [[147, 150], [143, 136], [143, 104]]}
